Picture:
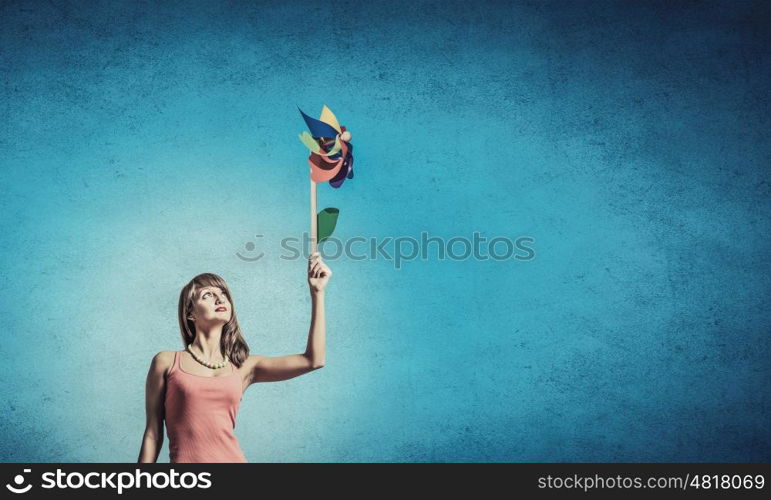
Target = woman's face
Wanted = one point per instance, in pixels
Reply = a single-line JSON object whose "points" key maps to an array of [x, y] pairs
{"points": [[212, 306]]}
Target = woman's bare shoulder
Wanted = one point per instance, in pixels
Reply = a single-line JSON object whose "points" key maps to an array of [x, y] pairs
{"points": [[162, 361]]}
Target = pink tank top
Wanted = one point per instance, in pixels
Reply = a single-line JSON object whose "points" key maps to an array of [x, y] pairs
{"points": [[201, 416]]}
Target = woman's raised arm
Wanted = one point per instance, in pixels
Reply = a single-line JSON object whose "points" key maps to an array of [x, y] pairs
{"points": [[273, 369]]}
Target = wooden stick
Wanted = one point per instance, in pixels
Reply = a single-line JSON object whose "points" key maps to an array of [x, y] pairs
{"points": [[314, 228]]}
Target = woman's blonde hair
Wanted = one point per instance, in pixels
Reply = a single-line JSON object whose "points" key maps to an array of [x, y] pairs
{"points": [[232, 342]]}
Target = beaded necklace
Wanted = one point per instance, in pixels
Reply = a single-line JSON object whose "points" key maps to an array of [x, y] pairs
{"points": [[213, 366]]}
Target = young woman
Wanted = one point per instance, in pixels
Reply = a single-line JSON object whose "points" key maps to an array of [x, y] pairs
{"points": [[198, 391]]}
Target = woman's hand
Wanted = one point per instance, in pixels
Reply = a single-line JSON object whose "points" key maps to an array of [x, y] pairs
{"points": [[318, 273]]}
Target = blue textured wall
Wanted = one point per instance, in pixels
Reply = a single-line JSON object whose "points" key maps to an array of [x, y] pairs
{"points": [[142, 144]]}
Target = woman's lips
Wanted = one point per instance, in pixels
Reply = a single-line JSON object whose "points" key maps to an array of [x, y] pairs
{"points": [[221, 309]]}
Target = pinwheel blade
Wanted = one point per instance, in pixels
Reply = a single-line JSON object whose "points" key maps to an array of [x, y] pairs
{"points": [[335, 148], [311, 144], [318, 128], [327, 116]]}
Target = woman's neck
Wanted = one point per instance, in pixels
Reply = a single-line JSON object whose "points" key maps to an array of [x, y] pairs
{"points": [[207, 343]]}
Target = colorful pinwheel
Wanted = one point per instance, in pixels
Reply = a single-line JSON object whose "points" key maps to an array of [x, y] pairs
{"points": [[331, 150], [331, 160]]}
